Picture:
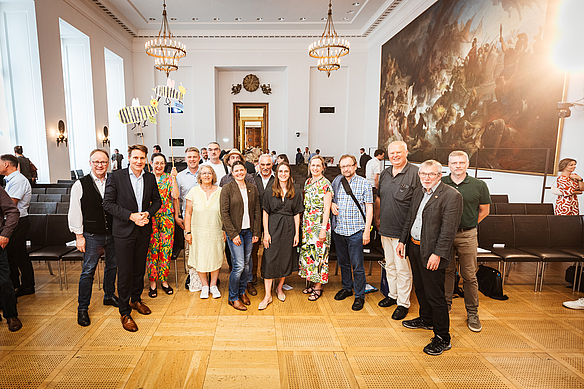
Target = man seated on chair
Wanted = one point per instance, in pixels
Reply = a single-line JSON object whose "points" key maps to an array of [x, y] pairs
{"points": [[92, 228]]}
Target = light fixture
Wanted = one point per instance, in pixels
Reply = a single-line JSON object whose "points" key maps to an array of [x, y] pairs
{"points": [[350, 11], [216, 19], [105, 140], [302, 19], [259, 19], [195, 19], [356, 4], [329, 48], [62, 137], [237, 19], [280, 19], [165, 48]]}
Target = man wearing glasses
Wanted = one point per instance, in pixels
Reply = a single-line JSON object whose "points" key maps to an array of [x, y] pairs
{"points": [[92, 228], [429, 231], [352, 208]]}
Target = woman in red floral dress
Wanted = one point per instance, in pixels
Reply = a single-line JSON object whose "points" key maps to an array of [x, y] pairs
{"points": [[570, 185]]}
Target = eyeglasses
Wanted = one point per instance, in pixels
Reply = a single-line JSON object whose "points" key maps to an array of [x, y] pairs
{"points": [[347, 166], [97, 163], [206, 174], [431, 175], [458, 163]]}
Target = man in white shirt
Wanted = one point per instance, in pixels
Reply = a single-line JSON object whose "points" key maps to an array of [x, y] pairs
{"points": [[373, 169], [18, 188], [92, 228], [214, 150], [187, 179]]}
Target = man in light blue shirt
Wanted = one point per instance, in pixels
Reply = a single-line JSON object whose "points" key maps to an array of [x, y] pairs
{"points": [[18, 188]]}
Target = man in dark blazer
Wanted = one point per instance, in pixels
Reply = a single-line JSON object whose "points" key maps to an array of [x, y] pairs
{"points": [[132, 198], [429, 232]]}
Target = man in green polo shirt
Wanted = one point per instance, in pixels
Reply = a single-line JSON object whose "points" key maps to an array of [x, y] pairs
{"points": [[477, 203]]}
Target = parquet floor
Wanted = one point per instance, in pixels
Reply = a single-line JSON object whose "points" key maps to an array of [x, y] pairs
{"points": [[529, 341]]}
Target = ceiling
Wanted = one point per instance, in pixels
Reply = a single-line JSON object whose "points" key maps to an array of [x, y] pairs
{"points": [[270, 18]]}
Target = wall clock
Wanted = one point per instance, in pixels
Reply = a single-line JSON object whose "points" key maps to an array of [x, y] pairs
{"points": [[251, 83]]}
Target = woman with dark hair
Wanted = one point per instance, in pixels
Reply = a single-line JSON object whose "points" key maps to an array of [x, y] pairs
{"points": [[282, 209], [241, 214], [160, 247], [569, 185], [279, 159]]}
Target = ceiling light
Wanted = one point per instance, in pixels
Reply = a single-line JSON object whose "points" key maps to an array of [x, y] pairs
{"points": [[302, 18], [238, 19], [195, 19], [259, 19], [151, 19], [345, 18], [323, 19], [165, 48], [350, 11], [356, 4], [329, 48], [280, 19], [216, 19], [173, 19]]}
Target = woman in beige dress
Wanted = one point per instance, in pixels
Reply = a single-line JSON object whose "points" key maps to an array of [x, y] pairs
{"points": [[204, 230]]}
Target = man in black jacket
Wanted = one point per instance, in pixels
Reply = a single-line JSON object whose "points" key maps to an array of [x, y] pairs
{"points": [[9, 216], [132, 198]]}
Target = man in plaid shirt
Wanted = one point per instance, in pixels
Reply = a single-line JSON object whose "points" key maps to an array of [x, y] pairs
{"points": [[351, 228]]}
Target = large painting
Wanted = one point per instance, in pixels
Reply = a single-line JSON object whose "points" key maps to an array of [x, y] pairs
{"points": [[474, 75]]}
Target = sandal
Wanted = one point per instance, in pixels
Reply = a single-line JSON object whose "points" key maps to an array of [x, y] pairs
{"points": [[308, 290], [167, 289], [315, 295], [152, 292]]}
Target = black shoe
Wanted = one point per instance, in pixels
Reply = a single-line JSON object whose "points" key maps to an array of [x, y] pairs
{"points": [[188, 281], [358, 304], [113, 301], [437, 346], [23, 291], [400, 313], [416, 323], [343, 294], [387, 302], [83, 318]]}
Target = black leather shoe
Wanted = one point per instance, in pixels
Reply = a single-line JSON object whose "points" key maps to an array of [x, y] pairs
{"points": [[400, 313], [416, 323], [83, 318], [437, 346], [14, 324], [358, 304], [188, 281], [387, 302], [343, 294], [23, 291], [113, 301]]}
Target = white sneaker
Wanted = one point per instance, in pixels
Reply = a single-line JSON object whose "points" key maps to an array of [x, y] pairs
{"points": [[204, 292], [576, 304], [215, 292]]}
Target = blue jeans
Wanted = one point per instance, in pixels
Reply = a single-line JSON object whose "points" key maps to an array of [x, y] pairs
{"points": [[95, 246], [350, 255], [240, 261], [7, 297]]}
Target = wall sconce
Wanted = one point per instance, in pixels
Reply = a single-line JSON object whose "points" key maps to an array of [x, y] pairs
{"points": [[105, 140], [62, 137]]}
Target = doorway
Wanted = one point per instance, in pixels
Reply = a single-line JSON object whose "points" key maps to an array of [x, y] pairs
{"points": [[250, 125]]}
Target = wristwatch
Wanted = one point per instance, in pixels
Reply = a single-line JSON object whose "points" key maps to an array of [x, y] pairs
{"points": [[187, 233]]}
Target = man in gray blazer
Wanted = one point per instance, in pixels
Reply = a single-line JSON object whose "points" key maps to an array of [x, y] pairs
{"points": [[429, 231]]}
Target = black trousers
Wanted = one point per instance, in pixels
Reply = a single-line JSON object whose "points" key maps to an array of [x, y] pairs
{"points": [[429, 286], [21, 271], [131, 255]]}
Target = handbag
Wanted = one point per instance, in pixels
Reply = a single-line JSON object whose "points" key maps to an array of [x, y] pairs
{"points": [[554, 189], [491, 283]]}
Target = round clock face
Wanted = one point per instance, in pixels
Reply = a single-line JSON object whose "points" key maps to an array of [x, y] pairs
{"points": [[251, 83]]}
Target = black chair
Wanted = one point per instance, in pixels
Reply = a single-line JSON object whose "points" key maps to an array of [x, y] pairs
{"points": [[79, 173], [34, 198], [37, 190], [566, 235], [499, 230], [65, 198], [73, 175], [36, 235], [48, 208], [55, 198], [539, 209], [532, 235], [62, 208], [60, 191], [509, 208], [66, 182], [499, 198]]}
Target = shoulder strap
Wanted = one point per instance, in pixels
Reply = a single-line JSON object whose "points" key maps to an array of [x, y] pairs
{"points": [[349, 191]]}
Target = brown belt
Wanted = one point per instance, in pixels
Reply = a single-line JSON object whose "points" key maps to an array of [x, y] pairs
{"points": [[416, 242]]}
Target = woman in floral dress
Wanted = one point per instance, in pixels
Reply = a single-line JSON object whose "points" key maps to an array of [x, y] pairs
{"points": [[570, 185], [160, 248], [316, 230]]}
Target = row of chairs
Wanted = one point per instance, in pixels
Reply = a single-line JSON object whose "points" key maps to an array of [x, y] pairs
{"points": [[52, 197], [522, 209], [50, 190], [532, 238], [48, 208]]}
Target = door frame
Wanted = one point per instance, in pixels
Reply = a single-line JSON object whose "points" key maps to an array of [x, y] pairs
{"points": [[237, 142]]}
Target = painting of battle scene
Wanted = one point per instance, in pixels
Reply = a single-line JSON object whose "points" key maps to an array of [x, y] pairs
{"points": [[473, 75]]}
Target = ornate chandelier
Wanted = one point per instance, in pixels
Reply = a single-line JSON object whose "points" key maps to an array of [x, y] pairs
{"points": [[329, 48], [166, 50]]}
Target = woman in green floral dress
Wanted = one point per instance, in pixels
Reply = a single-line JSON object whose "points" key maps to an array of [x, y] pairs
{"points": [[316, 230]]}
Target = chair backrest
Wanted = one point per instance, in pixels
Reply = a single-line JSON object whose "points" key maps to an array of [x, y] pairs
{"points": [[539, 209], [37, 233], [34, 197], [49, 197], [56, 191], [496, 229], [37, 190], [58, 230], [73, 175], [44, 208], [565, 231], [65, 198], [531, 231], [499, 198], [510, 208], [62, 208], [79, 173]]}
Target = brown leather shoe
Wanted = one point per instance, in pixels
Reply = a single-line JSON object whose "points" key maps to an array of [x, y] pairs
{"points": [[238, 305], [251, 289], [141, 308], [14, 324], [244, 299], [129, 324]]}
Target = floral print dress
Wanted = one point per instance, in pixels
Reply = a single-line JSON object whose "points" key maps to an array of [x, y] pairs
{"points": [[314, 254], [160, 248], [567, 203]]}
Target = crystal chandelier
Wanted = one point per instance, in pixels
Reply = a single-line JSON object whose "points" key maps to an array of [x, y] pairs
{"points": [[329, 48], [166, 50]]}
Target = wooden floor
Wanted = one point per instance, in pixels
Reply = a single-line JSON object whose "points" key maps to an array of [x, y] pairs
{"points": [[529, 341]]}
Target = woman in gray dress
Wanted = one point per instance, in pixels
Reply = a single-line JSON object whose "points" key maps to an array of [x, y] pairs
{"points": [[282, 208]]}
